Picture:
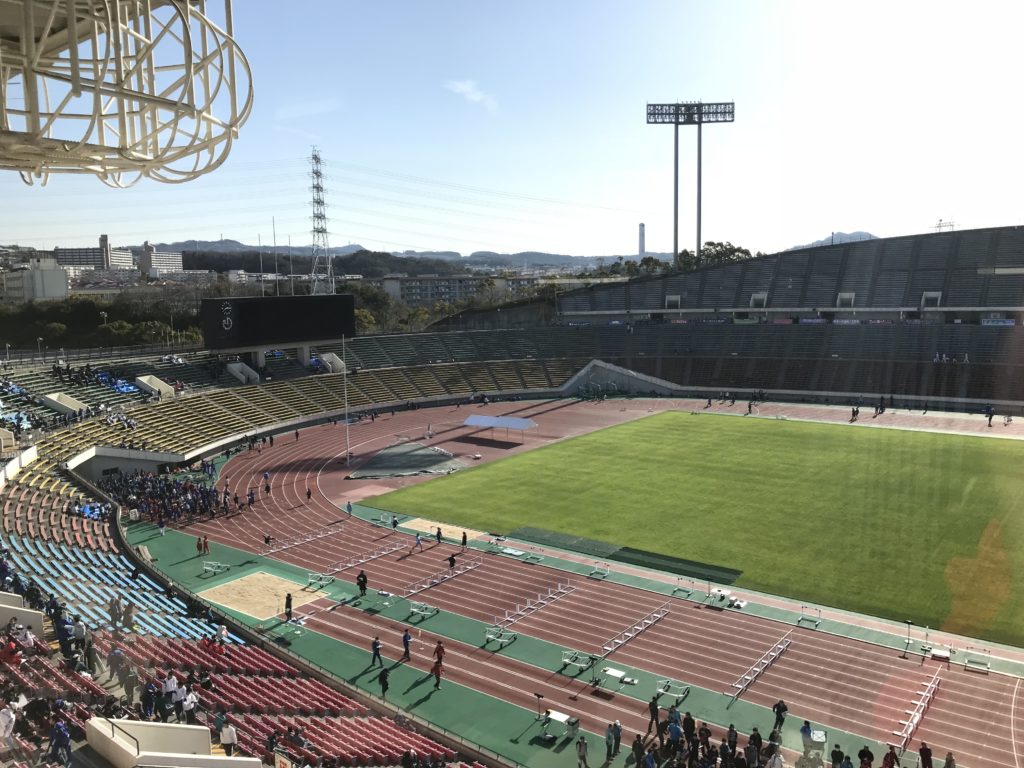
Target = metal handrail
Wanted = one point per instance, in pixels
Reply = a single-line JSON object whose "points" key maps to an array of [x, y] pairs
{"points": [[113, 725]]}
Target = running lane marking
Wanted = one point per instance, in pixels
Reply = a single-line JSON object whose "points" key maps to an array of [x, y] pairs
{"points": [[1013, 718]]}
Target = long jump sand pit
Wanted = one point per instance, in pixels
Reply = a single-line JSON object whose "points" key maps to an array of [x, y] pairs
{"points": [[451, 533], [259, 594]]}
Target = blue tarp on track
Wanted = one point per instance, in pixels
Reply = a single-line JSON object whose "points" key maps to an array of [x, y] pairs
{"points": [[501, 422]]}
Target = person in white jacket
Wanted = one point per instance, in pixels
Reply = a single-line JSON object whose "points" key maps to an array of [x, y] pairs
{"points": [[228, 738], [7, 718], [188, 704]]}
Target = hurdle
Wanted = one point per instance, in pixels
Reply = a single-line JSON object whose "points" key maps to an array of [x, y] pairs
{"points": [[318, 580], [532, 606], [626, 635], [280, 631], [578, 660], [440, 577], [384, 519], [684, 585], [302, 538], [809, 614], [978, 659], [422, 610], [600, 571], [213, 567], [500, 635], [755, 670], [914, 716], [364, 557], [669, 687]]}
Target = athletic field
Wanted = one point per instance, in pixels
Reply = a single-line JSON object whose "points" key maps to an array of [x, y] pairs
{"points": [[905, 525]]}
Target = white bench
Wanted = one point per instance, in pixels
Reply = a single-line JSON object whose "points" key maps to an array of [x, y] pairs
{"points": [[211, 566]]}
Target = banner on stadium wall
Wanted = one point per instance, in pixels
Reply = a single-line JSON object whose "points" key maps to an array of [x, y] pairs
{"points": [[782, 321], [846, 321], [998, 321], [812, 321]]}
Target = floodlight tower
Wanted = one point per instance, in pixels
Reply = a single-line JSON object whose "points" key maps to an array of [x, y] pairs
{"points": [[322, 276], [688, 113]]}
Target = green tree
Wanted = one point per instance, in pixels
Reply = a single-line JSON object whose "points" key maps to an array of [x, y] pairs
{"points": [[116, 333], [54, 331], [713, 254], [365, 322], [150, 332], [650, 265]]}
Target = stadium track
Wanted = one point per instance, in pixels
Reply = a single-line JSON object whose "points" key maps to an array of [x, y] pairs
{"points": [[831, 680]]}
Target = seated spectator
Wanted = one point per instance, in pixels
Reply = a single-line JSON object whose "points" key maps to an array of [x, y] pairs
{"points": [[25, 637], [11, 654]]}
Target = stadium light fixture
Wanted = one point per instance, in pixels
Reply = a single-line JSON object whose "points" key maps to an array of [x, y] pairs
{"points": [[688, 113]]}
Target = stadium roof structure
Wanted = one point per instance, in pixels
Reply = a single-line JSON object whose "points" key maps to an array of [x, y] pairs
{"points": [[121, 89]]}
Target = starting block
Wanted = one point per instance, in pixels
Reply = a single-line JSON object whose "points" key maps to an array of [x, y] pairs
{"points": [[499, 635], [211, 566], [422, 609], [318, 580], [577, 659], [669, 687]]}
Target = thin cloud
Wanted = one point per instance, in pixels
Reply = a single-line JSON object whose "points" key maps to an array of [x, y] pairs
{"points": [[469, 90], [304, 110]]}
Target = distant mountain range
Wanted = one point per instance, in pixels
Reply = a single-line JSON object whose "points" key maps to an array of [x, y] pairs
{"points": [[234, 246], [531, 259], [477, 259], [836, 238]]}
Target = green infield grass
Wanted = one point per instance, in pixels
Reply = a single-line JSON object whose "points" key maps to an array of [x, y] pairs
{"points": [[905, 525]]}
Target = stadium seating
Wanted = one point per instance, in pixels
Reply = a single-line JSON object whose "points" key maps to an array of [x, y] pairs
{"points": [[264, 695]]}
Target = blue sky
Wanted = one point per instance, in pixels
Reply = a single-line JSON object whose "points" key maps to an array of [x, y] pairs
{"points": [[470, 126]]}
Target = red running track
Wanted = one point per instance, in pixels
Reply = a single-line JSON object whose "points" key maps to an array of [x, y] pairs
{"points": [[838, 682]]}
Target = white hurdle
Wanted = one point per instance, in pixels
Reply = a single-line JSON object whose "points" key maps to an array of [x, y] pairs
{"points": [[809, 614], [318, 580], [578, 660], [599, 571], [670, 687], [684, 585], [500, 635]]}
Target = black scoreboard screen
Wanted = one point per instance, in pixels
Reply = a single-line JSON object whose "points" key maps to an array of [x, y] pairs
{"points": [[275, 320]]}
